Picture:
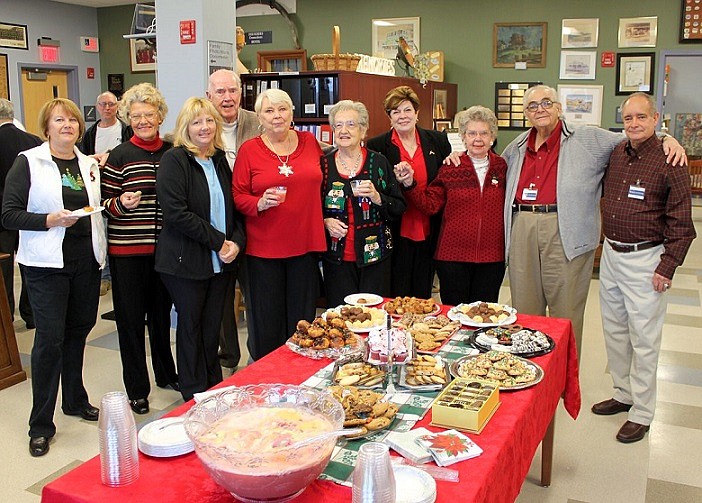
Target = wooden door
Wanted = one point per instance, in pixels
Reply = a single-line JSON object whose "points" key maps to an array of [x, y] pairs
{"points": [[37, 92]]}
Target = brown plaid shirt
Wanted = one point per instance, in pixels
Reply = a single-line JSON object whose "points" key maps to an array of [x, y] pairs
{"points": [[664, 214]]}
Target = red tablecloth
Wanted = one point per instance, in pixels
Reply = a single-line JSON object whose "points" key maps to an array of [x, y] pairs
{"points": [[509, 440]]}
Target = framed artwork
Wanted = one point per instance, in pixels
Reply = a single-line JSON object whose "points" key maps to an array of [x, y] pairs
{"points": [[581, 104], [691, 21], [14, 36], [515, 43], [442, 124], [4, 78], [634, 72], [386, 32], [618, 115], [579, 33], [142, 56], [509, 104], [440, 103], [638, 31], [688, 131], [578, 65], [293, 60]]}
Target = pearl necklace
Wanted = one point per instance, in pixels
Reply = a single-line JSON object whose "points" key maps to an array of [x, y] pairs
{"points": [[349, 172], [283, 169]]}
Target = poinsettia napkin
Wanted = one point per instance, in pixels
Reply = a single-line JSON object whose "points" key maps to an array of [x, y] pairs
{"points": [[449, 447]]}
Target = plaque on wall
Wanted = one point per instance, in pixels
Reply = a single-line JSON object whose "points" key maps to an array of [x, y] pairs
{"points": [[509, 105], [115, 84]]}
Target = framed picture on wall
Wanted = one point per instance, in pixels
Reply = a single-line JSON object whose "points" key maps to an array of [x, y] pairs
{"points": [[688, 131], [691, 21], [385, 34], [578, 65], [509, 104], [634, 72], [442, 124], [14, 36], [519, 43], [581, 104], [638, 31], [293, 60], [4, 78], [579, 33], [142, 56]]}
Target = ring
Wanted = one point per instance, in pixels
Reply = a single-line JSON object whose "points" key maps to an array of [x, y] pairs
{"points": [[666, 285]]}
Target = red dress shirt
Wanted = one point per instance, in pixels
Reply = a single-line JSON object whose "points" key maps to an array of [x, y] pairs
{"points": [[540, 168]]}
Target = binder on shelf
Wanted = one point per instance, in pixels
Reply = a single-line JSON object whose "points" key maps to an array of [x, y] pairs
{"points": [[326, 134], [292, 87], [328, 94], [309, 90]]}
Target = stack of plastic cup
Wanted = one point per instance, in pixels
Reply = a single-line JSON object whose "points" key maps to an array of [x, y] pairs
{"points": [[119, 453], [373, 479]]}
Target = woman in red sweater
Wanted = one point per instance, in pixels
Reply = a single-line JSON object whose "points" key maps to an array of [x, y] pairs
{"points": [[470, 255], [276, 186]]}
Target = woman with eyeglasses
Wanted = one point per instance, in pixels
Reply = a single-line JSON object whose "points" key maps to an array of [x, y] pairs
{"points": [[134, 221], [276, 186], [415, 233], [202, 236], [470, 254], [360, 197]]}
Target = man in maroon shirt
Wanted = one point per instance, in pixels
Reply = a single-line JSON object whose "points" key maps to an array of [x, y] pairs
{"points": [[647, 223]]}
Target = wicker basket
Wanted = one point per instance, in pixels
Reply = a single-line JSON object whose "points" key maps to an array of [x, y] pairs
{"points": [[336, 61]]}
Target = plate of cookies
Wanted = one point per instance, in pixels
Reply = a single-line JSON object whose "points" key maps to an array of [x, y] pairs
{"points": [[429, 333], [515, 339], [363, 299], [483, 314], [364, 408], [425, 373], [401, 305], [322, 339], [351, 372], [359, 319], [509, 371]]}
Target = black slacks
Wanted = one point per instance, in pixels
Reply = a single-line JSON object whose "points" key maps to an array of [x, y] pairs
{"points": [[412, 268], [346, 278], [65, 303], [283, 292], [138, 293], [229, 350], [200, 305], [8, 244], [469, 281]]}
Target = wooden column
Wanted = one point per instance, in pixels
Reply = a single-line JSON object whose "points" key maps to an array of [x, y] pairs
{"points": [[10, 366]]}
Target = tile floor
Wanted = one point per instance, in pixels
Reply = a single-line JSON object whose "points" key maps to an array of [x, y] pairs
{"points": [[589, 465]]}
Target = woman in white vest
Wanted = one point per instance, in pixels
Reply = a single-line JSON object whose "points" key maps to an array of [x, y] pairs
{"points": [[52, 194]]}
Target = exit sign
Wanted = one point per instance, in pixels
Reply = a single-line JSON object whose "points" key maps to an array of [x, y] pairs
{"points": [[49, 53]]}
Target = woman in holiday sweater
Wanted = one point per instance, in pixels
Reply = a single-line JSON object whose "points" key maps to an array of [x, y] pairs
{"points": [[134, 221], [276, 186], [360, 197], [470, 255]]}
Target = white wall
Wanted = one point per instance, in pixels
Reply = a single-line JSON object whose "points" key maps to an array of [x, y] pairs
{"points": [[63, 22]]}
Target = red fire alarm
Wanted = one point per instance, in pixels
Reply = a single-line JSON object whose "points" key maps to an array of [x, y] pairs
{"points": [[91, 73], [607, 59], [187, 31]]}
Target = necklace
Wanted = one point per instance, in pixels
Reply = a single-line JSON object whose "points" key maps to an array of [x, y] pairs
{"points": [[350, 172], [283, 169]]}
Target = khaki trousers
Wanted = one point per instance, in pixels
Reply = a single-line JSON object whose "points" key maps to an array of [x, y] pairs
{"points": [[632, 319], [541, 276]]}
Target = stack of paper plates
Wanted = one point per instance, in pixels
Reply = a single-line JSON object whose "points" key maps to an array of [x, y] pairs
{"points": [[165, 438], [413, 485]]}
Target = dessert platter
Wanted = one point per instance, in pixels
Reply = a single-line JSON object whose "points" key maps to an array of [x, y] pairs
{"points": [[364, 408], [429, 333], [510, 372], [363, 299], [401, 305], [322, 339], [359, 319], [401, 346], [483, 314], [357, 373], [425, 373], [515, 339]]}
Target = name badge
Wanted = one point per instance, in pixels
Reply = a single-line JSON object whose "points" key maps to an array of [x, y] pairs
{"points": [[636, 192], [529, 194]]}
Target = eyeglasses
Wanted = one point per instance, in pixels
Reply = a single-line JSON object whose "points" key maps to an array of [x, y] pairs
{"points": [[348, 124], [149, 116], [545, 104], [107, 104], [475, 134], [222, 92]]}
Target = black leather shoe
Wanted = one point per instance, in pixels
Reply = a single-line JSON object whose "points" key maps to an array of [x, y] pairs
{"points": [[89, 413], [30, 325], [632, 432], [38, 446], [173, 385], [610, 407], [140, 405]]}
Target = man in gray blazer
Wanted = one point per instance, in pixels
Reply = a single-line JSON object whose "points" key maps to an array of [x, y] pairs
{"points": [[224, 91]]}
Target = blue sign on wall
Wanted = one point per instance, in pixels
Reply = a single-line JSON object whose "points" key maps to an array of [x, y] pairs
{"points": [[259, 37]]}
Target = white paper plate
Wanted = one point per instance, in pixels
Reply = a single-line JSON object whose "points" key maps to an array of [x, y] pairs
{"points": [[359, 330], [371, 299], [413, 485], [165, 438], [82, 213], [454, 314]]}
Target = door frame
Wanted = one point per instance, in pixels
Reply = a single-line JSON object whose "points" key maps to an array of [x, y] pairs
{"points": [[71, 76], [661, 69]]}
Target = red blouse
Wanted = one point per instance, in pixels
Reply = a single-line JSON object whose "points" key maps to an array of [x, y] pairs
{"points": [[415, 224], [296, 226]]}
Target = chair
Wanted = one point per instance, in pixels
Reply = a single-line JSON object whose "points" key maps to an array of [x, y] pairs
{"points": [[695, 168]]}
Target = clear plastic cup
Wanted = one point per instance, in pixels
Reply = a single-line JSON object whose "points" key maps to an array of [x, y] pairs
{"points": [[119, 452], [281, 190], [355, 186], [373, 478]]}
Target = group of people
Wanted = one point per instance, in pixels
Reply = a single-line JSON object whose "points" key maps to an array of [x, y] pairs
{"points": [[383, 215]]}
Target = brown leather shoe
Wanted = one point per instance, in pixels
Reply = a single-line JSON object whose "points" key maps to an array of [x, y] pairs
{"points": [[609, 407], [632, 432]]}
